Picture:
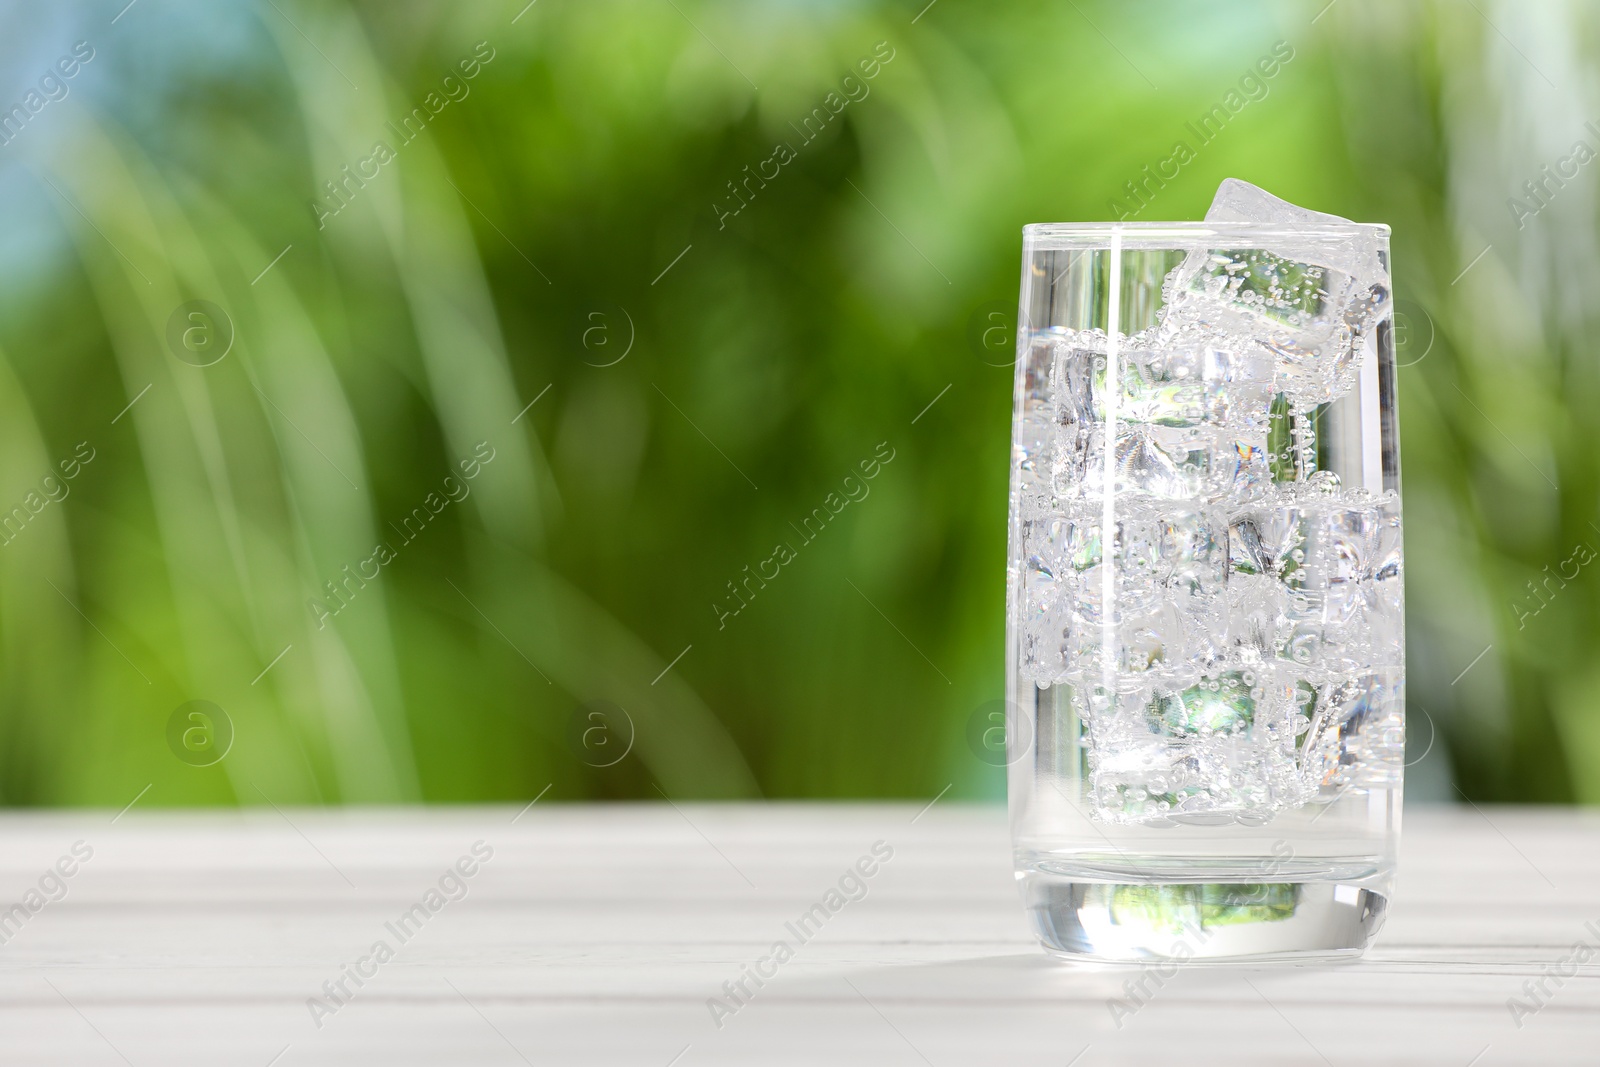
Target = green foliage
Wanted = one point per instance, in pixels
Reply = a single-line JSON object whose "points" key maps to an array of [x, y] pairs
{"points": [[798, 304]]}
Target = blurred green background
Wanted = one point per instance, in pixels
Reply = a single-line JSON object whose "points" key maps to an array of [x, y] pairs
{"points": [[735, 257]]}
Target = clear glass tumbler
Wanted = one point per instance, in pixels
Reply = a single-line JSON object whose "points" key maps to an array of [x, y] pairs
{"points": [[1205, 636]]}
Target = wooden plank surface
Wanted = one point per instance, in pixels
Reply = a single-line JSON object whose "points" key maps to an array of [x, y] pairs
{"points": [[598, 934]]}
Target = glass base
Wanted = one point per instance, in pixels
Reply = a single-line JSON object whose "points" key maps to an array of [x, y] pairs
{"points": [[1126, 922]]}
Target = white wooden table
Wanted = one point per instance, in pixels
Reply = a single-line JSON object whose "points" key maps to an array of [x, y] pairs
{"points": [[597, 935]]}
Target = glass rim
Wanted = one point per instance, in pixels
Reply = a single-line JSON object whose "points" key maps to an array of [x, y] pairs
{"points": [[1142, 232]]}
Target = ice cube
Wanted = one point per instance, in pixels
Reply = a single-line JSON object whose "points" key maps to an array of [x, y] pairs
{"points": [[1282, 541], [1352, 544], [1386, 562], [1045, 641], [1347, 716], [1191, 552], [1271, 539], [1072, 413], [1135, 556], [1309, 300], [1157, 462], [1238, 201], [1168, 464], [1189, 385], [1033, 453], [1043, 554], [1217, 705], [1387, 572], [1151, 642], [1222, 747], [1257, 611], [1190, 419], [1046, 591], [1363, 612]]}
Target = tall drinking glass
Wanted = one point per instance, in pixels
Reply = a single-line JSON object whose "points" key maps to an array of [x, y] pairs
{"points": [[1205, 637]]}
